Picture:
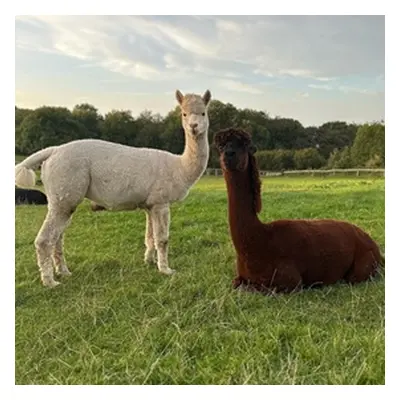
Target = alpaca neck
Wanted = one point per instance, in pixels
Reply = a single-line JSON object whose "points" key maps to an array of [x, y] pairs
{"points": [[242, 213], [195, 157]]}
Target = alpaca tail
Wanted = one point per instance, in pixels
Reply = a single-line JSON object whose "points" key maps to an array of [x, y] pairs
{"points": [[24, 171]]}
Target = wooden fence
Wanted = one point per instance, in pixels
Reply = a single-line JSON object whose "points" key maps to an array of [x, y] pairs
{"points": [[311, 172]]}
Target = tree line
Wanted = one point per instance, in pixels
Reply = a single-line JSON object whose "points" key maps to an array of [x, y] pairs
{"points": [[282, 143]]}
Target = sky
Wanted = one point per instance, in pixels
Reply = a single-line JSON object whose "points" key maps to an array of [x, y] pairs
{"points": [[311, 68]]}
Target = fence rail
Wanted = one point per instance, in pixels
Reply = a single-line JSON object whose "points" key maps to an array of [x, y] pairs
{"points": [[311, 172]]}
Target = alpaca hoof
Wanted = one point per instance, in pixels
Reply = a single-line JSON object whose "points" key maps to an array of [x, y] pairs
{"points": [[167, 271], [150, 257], [64, 272], [150, 260], [50, 283]]}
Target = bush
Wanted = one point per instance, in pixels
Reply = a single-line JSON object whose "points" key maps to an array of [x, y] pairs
{"points": [[275, 160], [308, 159], [340, 159], [369, 146], [375, 162], [48, 126]]}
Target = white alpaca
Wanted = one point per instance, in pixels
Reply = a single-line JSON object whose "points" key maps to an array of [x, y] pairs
{"points": [[117, 177]]}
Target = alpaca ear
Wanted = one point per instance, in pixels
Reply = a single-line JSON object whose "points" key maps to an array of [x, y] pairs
{"points": [[252, 149], [179, 96], [207, 97]]}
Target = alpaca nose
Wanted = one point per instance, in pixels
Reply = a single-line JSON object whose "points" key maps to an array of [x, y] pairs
{"points": [[193, 126], [229, 153]]}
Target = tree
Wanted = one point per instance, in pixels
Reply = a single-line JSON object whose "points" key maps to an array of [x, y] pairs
{"points": [[340, 159], [89, 117], [119, 126], [20, 115], [172, 134], [148, 130], [334, 135], [308, 159], [286, 133], [221, 116], [369, 145], [275, 160], [48, 126], [255, 122], [346, 145]]}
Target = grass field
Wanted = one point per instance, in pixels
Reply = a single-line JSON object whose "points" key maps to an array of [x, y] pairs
{"points": [[118, 321]]}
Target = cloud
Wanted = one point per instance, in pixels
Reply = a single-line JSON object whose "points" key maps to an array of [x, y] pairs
{"points": [[238, 86], [302, 73], [313, 47], [349, 89], [188, 41], [320, 86], [125, 67], [228, 26], [231, 55], [325, 79], [343, 88], [323, 46], [97, 42]]}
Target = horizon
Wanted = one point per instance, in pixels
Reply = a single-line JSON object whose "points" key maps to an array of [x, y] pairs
{"points": [[314, 69], [164, 115]]}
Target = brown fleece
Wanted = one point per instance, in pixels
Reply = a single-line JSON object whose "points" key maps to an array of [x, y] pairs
{"points": [[285, 255]]}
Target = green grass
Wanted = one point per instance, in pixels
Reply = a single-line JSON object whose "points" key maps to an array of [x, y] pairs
{"points": [[117, 321]]}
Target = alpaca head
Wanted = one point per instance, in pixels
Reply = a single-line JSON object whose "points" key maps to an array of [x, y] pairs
{"points": [[236, 153], [235, 149], [194, 113]]}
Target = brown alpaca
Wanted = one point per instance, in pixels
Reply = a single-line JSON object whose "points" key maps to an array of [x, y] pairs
{"points": [[285, 255]]}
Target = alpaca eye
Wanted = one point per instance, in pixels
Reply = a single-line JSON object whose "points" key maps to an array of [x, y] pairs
{"points": [[203, 114], [184, 114]]}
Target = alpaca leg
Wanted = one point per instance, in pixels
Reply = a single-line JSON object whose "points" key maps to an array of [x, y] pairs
{"points": [[285, 278], [238, 281], [363, 268], [150, 254], [241, 271], [160, 219], [46, 241], [251, 288], [60, 265], [244, 285]]}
